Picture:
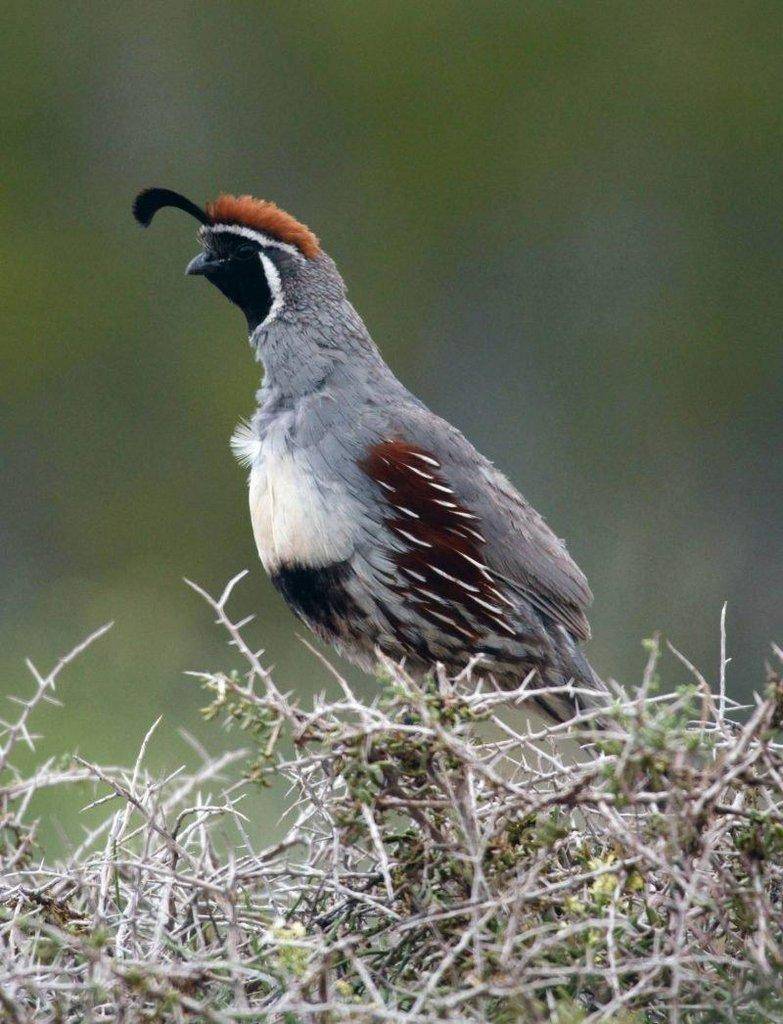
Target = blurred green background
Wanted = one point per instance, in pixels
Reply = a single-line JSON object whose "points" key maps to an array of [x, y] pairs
{"points": [[562, 223]]}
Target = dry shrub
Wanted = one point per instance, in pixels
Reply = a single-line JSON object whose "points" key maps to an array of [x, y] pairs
{"points": [[439, 864]]}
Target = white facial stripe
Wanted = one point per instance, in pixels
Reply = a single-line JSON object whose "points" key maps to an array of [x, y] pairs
{"points": [[275, 287], [256, 236], [270, 270]]}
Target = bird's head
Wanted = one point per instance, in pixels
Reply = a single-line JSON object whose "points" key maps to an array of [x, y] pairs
{"points": [[302, 326], [256, 254]]}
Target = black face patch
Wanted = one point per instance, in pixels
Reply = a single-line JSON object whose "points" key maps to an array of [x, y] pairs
{"points": [[228, 245], [318, 596], [239, 274]]}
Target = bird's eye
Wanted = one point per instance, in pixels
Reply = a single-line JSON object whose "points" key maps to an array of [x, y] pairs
{"points": [[244, 252]]}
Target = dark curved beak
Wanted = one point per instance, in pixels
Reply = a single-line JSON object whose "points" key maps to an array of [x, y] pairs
{"points": [[204, 263]]}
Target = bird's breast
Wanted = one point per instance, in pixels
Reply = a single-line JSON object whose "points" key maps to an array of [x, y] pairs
{"points": [[300, 517]]}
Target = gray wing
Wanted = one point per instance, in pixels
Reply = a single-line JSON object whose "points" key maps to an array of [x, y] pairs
{"points": [[520, 549], [448, 560]]}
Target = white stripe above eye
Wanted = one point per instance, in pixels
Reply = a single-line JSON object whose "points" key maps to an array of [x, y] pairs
{"points": [[255, 236]]}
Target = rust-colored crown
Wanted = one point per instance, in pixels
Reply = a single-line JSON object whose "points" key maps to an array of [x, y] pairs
{"points": [[264, 216]]}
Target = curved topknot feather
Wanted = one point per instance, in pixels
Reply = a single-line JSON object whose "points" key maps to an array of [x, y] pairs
{"points": [[244, 211], [150, 200], [262, 215]]}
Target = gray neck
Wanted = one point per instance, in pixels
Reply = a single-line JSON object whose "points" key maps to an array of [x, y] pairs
{"points": [[317, 338]]}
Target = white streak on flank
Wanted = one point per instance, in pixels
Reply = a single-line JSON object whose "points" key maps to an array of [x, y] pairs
{"points": [[407, 511], [466, 515], [448, 621], [478, 565], [468, 587], [501, 597], [412, 539], [426, 458], [429, 593], [255, 236], [453, 579], [490, 607], [444, 504], [465, 531], [505, 626], [245, 444], [474, 533], [441, 487], [387, 487], [418, 472], [416, 575]]}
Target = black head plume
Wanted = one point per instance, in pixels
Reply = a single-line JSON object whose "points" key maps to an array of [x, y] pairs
{"points": [[147, 203]]}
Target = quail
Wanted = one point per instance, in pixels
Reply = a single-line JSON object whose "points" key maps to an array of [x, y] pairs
{"points": [[379, 522]]}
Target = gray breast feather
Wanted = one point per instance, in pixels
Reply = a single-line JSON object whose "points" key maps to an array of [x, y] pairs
{"points": [[331, 438]]}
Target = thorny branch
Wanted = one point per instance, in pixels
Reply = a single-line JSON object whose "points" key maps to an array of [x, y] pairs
{"points": [[441, 862]]}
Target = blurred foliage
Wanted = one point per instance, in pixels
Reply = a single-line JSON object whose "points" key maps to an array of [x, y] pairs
{"points": [[560, 220]]}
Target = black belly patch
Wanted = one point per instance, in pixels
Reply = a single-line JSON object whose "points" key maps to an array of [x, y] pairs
{"points": [[319, 596]]}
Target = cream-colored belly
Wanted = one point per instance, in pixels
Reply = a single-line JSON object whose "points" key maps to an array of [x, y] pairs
{"points": [[297, 521]]}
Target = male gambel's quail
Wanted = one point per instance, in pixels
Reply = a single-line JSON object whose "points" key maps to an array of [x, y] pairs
{"points": [[378, 522]]}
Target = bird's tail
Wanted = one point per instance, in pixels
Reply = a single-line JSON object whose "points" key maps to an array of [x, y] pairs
{"points": [[590, 693]]}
